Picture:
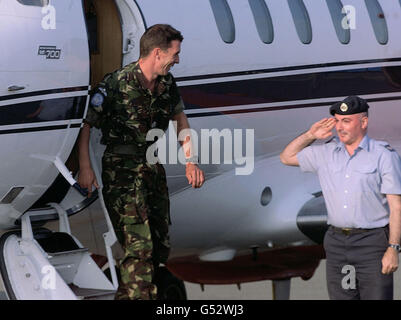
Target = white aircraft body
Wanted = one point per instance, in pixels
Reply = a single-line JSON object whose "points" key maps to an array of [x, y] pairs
{"points": [[266, 69]]}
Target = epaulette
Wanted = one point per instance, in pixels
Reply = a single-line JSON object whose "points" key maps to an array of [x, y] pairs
{"points": [[331, 140], [107, 76], [389, 148], [386, 145]]}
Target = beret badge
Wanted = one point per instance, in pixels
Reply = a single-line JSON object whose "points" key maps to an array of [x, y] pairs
{"points": [[344, 107]]}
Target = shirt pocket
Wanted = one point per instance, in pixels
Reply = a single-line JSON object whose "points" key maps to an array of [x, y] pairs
{"points": [[367, 176], [331, 176]]}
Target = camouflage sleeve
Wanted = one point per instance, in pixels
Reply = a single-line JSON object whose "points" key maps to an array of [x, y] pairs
{"points": [[177, 100], [98, 101], [92, 117], [179, 107]]}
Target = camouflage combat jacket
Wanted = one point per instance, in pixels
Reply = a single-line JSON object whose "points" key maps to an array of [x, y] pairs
{"points": [[129, 110]]}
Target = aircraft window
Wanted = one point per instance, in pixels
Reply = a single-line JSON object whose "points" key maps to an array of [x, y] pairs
{"points": [[37, 3], [337, 15], [378, 20], [301, 20], [224, 20], [263, 20]]}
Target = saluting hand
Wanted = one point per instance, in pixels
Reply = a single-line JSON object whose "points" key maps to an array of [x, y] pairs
{"points": [[322, 129], [194, 175]]}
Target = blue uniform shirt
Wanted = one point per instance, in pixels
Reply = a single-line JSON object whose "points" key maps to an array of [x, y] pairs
{"points": [[355, 187]]}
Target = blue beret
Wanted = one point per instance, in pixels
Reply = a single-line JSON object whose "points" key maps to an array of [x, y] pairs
{"points": [[349, 105]]}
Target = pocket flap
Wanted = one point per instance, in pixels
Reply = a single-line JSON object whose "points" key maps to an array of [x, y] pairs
{"points": [[366, 168]]}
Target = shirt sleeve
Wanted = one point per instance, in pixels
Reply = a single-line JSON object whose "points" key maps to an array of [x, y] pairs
{"points": [[179, 107], [308, 160], [176, 100], [98, 101], [92, 118], [390, 173]]}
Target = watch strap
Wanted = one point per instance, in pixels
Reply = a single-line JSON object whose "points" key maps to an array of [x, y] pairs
{"points": [[395, 246]]}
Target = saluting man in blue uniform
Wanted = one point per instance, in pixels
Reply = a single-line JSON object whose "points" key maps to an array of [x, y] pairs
{"points": [[361, 184]]}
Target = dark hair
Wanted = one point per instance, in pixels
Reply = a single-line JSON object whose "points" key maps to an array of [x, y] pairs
{"points": [[158, 36]]}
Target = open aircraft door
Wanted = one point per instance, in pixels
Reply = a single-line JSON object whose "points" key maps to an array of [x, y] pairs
{"points": [[44, 85], [132, 28]]}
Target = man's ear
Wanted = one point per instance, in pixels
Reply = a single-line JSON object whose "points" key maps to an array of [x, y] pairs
{"points": [[156, 53], [365, 121]]}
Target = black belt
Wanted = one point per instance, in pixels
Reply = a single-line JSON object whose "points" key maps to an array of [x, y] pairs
{"points": [[348, 231], [129, 149]]}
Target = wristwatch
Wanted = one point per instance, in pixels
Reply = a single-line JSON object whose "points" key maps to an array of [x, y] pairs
{"points": [[395, 246], [193, 160]]}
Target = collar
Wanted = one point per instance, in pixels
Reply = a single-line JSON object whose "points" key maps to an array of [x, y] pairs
{"points": [[160, 84], [364, 144]]}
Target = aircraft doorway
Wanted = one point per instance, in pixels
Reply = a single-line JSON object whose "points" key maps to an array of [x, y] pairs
{"points": [[105, 48], [105, 38], [114, 31]]}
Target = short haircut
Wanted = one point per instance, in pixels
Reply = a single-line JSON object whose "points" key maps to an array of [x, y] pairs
{"points": [[158, 36]]}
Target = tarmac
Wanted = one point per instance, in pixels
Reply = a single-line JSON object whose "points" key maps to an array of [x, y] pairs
{"points": [[88, 227], [312, 289]]}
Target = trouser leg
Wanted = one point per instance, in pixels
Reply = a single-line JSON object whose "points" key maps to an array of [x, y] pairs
{"points": [[134, 234], [159, 218], [138, 206], [367, 254], [341, 283], [354, 265], [136, 268]]}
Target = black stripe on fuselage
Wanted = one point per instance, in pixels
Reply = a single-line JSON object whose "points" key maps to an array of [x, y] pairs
{"points": [[282, 89], [43, 92], [56, 109], [36, 129], [284, 107], [354, 63]]}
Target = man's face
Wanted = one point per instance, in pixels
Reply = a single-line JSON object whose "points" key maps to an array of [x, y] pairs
{"points": [[351, 128], [169, 57]]}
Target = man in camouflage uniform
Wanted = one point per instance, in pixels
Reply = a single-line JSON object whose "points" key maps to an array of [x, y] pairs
{"points": [[126, 105]]}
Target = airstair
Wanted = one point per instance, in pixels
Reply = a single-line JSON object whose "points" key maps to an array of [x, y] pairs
{"points": [[40, 264]]}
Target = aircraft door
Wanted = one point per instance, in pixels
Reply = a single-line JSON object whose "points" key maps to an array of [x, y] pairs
{"points": [[44, 78], [133, 27]]}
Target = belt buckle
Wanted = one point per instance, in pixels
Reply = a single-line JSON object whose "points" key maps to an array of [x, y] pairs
{"points": [[346, 231]]}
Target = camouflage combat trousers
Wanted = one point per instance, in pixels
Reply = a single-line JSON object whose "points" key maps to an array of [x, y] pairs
{"points": [[136, 198]]}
